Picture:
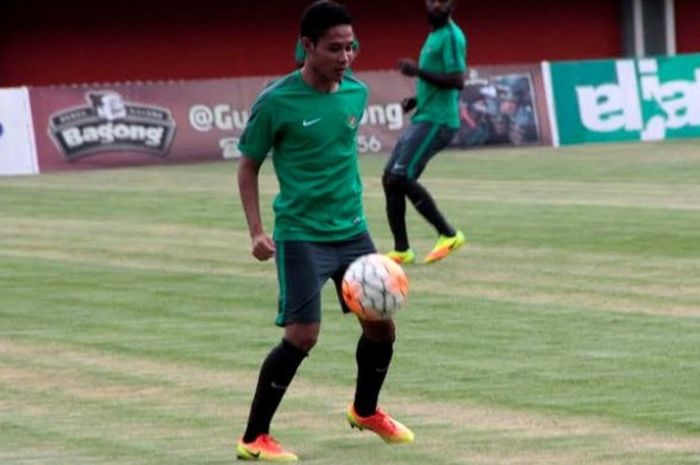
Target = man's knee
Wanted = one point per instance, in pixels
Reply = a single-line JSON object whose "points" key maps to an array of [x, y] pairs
{"points": [[379, 331], [394, 182], [416, 192], [302, 336]]}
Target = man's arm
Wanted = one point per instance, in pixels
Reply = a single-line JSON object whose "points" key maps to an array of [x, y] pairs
{"points": [[445, 81], [262, 244]]}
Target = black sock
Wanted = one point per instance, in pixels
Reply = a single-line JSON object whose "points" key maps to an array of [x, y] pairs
{"points": [[396, 214], [424, 203], [276, 373], [373, 360]]}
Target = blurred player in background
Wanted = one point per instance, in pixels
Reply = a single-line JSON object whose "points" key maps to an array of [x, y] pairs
{"points": [[309, 119], [440, 72]]}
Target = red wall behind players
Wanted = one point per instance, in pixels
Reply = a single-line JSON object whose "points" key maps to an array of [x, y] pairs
{"points": [[688, 26], [86, 41]]}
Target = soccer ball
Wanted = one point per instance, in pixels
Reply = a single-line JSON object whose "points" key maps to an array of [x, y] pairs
{"points": [[374, 287]]}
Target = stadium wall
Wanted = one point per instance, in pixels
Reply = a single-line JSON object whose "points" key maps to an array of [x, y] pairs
{"points": [[81, 127], [687, 30], [75, 41], [50, 128]]}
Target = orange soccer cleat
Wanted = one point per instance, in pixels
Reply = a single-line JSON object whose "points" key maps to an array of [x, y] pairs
{"points": [[390, 430], [445, 246], [264, 448]]}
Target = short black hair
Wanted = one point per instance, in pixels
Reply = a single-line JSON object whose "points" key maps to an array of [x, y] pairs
{"points": [[320, 16]]}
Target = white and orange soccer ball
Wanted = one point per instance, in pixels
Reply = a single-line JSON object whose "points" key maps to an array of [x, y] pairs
{"points": [[374, 287]]}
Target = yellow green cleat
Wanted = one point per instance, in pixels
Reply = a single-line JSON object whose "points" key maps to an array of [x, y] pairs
{"points": [[390, 430], [445, 246], [402, 258]]}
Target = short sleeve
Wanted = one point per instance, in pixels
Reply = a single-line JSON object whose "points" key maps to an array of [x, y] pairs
{"points": [[258, 135], [454, 53]]}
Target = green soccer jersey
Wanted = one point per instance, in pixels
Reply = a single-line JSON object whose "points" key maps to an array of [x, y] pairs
{"points": [[444, 52], [312, 136]]}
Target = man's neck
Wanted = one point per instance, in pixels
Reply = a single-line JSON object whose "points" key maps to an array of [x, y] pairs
{"points": [[317, 82], [437, 26]]}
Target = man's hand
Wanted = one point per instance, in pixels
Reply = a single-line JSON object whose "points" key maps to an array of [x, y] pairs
{"points": [[408, 104], [408, 67], [263, 247]]}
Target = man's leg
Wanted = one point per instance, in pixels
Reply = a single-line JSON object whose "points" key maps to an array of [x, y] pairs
{"points": [[375, 346], [375, 349], [302, 268], [436, 139], [276, 374], [426, 206], [403, 159], [374, 353], [396, 211], [449, 239]]}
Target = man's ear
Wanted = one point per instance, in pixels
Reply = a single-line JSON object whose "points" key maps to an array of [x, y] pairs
{"points": [[307, 44]]}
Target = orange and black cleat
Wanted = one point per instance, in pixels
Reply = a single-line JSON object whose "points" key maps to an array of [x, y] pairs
{"points": [[265, 448]]}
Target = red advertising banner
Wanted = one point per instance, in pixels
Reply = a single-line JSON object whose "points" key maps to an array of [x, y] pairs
{"points": [[125, 124], [88, 126]]}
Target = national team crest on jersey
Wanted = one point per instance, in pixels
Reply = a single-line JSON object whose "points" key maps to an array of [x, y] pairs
{"points": [[352, 121]]}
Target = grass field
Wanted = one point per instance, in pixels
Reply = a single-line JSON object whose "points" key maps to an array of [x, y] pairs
{"points": [[133, 318]]}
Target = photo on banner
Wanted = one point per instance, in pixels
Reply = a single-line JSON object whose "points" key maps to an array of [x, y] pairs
{"points": [[498, 110], [502, 107]]}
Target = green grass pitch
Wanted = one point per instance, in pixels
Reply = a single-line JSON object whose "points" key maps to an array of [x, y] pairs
{"points": [[133, 318]]}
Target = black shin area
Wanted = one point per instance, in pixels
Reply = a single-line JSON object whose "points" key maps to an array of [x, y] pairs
{"points": [[276, 373], [373, 360], [395, 193], [424, 203]]}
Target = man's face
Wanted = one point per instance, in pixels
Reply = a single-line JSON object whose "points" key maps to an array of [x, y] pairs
{"points": [[438, 12], [509, 107], [333, 54], [438, 8]]}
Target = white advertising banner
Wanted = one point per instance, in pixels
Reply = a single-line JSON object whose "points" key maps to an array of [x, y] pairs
{"points": [[17, 148]]}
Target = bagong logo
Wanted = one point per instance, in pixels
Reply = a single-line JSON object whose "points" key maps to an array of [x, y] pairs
{"points": [[648, 99], [109, 123]]}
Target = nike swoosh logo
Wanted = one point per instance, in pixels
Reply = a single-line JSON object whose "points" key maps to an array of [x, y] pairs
{"points": [[310, 122], [247, 453]]}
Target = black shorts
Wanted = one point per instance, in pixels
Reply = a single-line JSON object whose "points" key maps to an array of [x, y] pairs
{"points": [[304, 267], [416, 146]]}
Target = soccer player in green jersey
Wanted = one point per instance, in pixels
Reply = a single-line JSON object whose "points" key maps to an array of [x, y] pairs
{"points": [[309, 120], [440, 72]]}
